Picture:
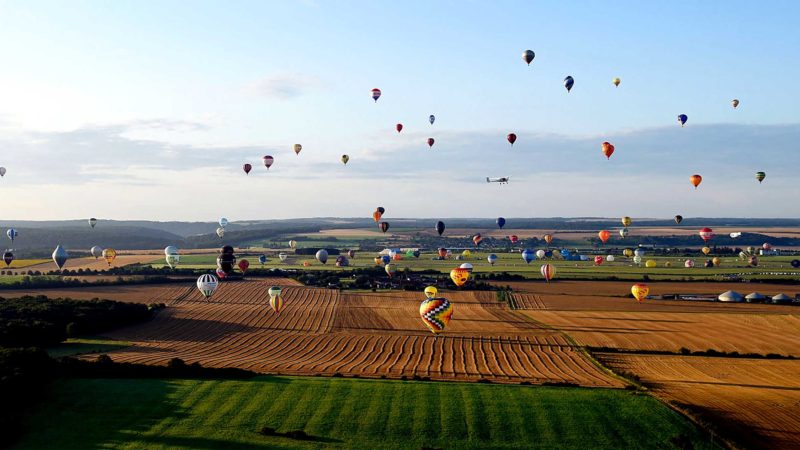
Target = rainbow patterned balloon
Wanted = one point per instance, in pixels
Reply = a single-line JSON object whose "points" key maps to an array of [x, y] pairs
{"points": [[436, 313], [275, 299]]}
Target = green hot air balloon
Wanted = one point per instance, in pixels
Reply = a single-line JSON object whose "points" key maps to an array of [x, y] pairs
{"points": [[760, 176]]}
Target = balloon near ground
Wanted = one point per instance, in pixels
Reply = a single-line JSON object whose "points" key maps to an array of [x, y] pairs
{"points": [[92, 222], [8, 257], [705, 250], [207, 284], [440, 227], [598, 260], [528, 255], [459, 276], [626, 221], [640, 291], [243, 265], [384, 226], [548, 238], [97, 251], [548, 271], [109, 255], [706, 234], [322, 256], [678, 219], [492, 258], [431, 291], [390, 269], [650, 263], [275, 299], [435, 313], [501, 222], [604, 235]]}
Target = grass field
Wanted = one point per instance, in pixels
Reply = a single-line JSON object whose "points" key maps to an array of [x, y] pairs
{"points": [[347, 413]]}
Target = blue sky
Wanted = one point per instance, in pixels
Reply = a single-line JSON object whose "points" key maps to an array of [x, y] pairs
{"points": [[147, 110]]}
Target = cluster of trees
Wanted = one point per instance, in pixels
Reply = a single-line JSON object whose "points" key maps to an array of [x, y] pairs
{"points": [[45, 281]]}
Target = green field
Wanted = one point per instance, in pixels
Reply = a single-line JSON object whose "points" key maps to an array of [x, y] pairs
{"points": [[623, 268], [346, 413]]}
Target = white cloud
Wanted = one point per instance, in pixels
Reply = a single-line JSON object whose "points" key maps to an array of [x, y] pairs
{"points": [[283, 86]]}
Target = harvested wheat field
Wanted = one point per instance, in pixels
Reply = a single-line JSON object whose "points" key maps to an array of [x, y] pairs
{"points": [[152, 293], [322, 331], [754, 401], [90, 263]]}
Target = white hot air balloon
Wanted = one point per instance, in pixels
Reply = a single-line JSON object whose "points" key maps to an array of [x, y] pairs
{"points": [[97, 251], [173, 259], [170, 250], [283, 257], [223, 222], [540, 254], [207, 284], [220, 232], [610, 258], [322, 256]]}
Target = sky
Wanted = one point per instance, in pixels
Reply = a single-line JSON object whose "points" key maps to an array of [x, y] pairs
{"points": [[148, 109]]}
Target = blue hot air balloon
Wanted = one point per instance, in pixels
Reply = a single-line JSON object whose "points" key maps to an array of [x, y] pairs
{"points": [[682, 118], [501, 222], [548, 253], [386, 259], [569, 82], [492, 258], [528, 255], [262, 259]]}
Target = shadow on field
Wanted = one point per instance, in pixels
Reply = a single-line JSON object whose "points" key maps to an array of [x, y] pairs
{"points": [[190, 330]]}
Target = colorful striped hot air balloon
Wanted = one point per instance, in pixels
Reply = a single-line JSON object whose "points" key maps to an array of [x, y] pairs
{"points": [[626, 221], [431, 291], [376, 94], [760, 176], [109, 254], [548, 238], [435, 313], [548, 271], [706, 234], [275, 299]]}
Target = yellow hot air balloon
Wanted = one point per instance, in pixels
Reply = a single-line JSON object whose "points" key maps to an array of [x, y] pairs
{"points": [[640, 291], [705, 250], [466, 253], [650, 263], [626, 221], [293, 244], [716, 261], [459, 276], [109, 254], [297, 148], [616, 81], [548, 238], [431, 291], [627, 252]]}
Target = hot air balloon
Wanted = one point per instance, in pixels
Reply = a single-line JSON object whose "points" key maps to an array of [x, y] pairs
{"points": [[626, 221], [297, 149], [431, 291], [397, 257], [607, 149], [390, 269], [262, 259], [735, 103], [513, 238], [322, 256], [399, 127], [467, 266], [244, 265], [650, 263], [275, 299], [709, 263], [616, 82], [267, 160], [2, 171], [511, 138], [466, 253], [172, 260], [640, 291], [430, 142], [247, 168], [760, 176], [306, 264], [384, 226], [168, 250], [8, 257], [638, 252], [688, 263], [283, 256], [598, 260], [109, 255], [627, 252], [431, 119], [528, 56], [705, 250], [96, 251], [351, 253], [223, 222], [440, 227], [610, 258], [207, 284], [381, 210], [435, 313], [678, 219], [569, 82], [459, 276], [528, 255], [220, 232], [60, 256], [623, 232], [682, 118], [492, 258], [548, 271], [604, 235], [12, 234], [376, 94], [753, 261], [706, 234], [716, 261], [548, 238], [695, 180], [501, 222], [477, 239], [386, 259], [637, 259], [92, 222], [442, 252], [344, 159], [540, 254]]}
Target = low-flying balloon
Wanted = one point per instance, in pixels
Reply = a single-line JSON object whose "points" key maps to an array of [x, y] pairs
{"points": [[435, 313], [466, 253], [705, 250], [431, 291], [477, 239], [626, 221], [716, 261], [548, 271], [442, 252], [376, 94], [624, 232], [795, 263], [528, 56], [384, 226], [501, 222], [390, 269], [753, 261], [8, 258], [548, 238], [540, 254], [262, 259], [569, 82], [283, 256], [172, 260], [610, 258], [207, 284], [440, 227], [92, 222], [513, 238], [604, 235], [678, 219], [275, 299], [351, 253], [12, 234], [528, 255], [460, 276], [492, 258], [651, 263], [640, 291], [96, 251], [243, 265], [220, 232], [706, 234], [607, 149], [322, 255], [598, 260], [735, 234], [689, 263], [109, 254], [267, 160], [682, 118], [60, 256], [467, 266]]}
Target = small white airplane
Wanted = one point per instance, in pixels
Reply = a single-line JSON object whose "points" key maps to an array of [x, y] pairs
{"points": [[501, 180]]}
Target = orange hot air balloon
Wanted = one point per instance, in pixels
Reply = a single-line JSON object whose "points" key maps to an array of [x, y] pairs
{"points": [[640, 291], [442, 252], [548, 238], [696, 180], [604, 235], [459, 276], [608, 149], [376, 216]]}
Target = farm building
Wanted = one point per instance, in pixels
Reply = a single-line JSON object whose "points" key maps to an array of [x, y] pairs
{"points": [[731, 296]]}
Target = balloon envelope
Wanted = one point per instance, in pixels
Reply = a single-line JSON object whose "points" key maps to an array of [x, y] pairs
{"points": [[540, 254], [267, 160], [440, 227], [682, 118], [8, 257], [207, 284], [548, 271], [93, 221], [608, 149], [262, 259], [528, 255], [172, 260], [604, 235], [345, 159], [501, 222], [297, 149], [97, 251], [492, 258], [569, 82], [399, 127], [435, 313], [109, 255], [678, 219], [431, 291], [459, 276], [247, 168], [528, 56], [376, 94], [322, 255], [640, 291]]}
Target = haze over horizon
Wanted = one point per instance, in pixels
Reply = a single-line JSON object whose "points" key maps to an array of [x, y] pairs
{"points": [[117, 111]]}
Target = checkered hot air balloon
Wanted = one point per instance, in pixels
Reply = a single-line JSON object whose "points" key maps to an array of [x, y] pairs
{"points": [[436, 313], [207, 284]]}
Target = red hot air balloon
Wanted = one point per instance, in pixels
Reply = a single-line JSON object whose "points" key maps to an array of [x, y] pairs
{"points": [[598, 260], [511, 138], [513, 238], [430, 142], [604, 235], [376, 94], [706, 233], [399, 127], [247, 168], [608, 149], [243, 265], [268, 160]]}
